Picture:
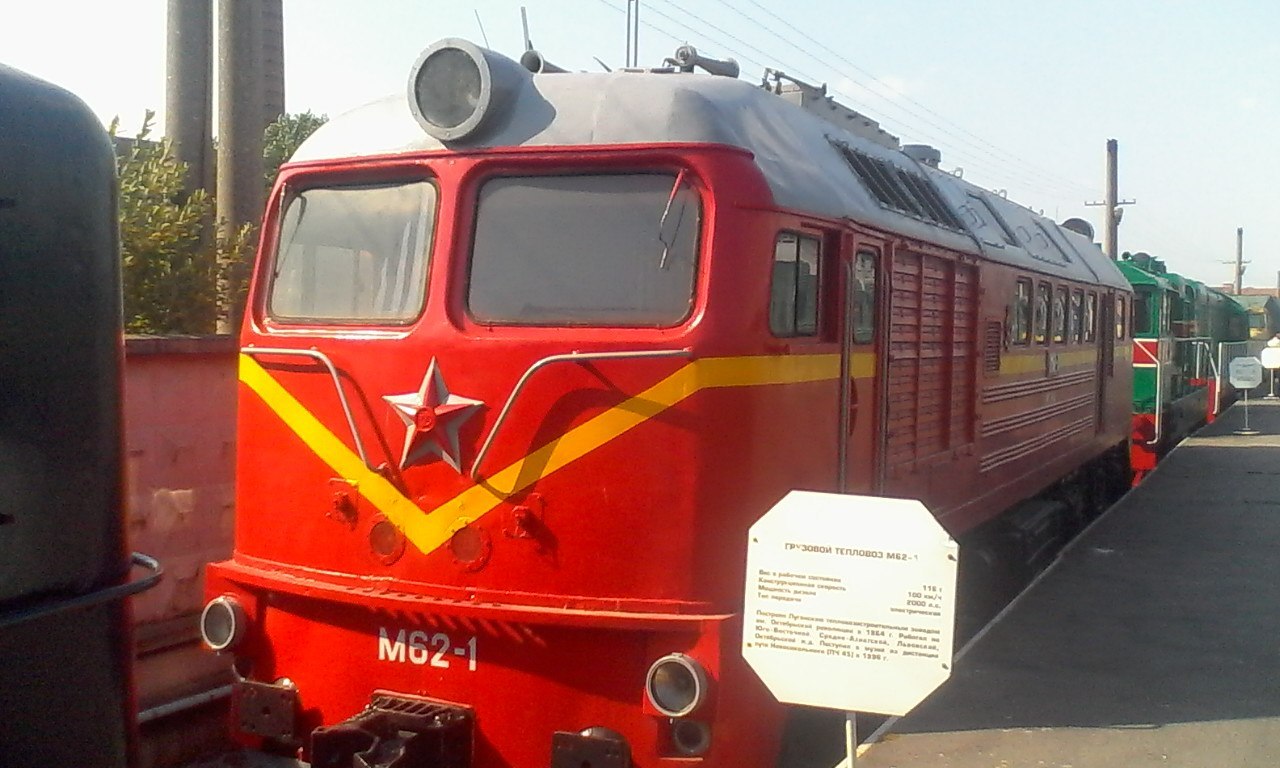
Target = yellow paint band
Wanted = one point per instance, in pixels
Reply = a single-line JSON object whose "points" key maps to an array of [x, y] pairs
{"points": [[429, 530], [1031, 362]]}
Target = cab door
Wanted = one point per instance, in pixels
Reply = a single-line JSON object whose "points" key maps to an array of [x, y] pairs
{"points": [[1105, 334], [860, 369]]}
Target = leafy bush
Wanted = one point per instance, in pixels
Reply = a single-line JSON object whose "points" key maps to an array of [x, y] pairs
{"points": [[283, 137], [174, 260]]}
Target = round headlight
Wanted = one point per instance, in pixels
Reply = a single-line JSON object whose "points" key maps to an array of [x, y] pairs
{"points": [[448, 87], [455, 87], [223, 623], [676, 685]]}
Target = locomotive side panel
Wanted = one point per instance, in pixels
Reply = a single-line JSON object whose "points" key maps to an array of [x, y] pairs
{"points": [[931, 377], [1053, 389]]}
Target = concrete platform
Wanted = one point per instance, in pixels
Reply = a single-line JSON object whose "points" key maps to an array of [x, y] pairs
{"points": [[1153, 641]]}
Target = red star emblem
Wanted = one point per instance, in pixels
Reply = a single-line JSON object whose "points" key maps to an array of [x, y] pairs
{"points": [[432, 417]]}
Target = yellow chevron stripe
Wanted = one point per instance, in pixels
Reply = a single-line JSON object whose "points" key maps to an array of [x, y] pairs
{"points": [[429, 530], [402, 512]]}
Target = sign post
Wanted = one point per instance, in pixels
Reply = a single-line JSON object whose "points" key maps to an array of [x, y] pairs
{"points": [[1271, 361], [849, 603], [1245, 373]]}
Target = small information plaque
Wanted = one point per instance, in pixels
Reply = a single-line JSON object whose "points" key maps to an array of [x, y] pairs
{"points": [[1245, 372], [850, 602]]}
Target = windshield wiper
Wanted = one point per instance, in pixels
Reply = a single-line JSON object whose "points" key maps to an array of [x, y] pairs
{"points": [[663, 238]]}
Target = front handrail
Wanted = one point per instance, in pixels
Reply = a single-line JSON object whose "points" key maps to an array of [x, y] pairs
{"points": [[96, 597], [1159, 404], [571, 357], [324, 360], [1179, 363]]}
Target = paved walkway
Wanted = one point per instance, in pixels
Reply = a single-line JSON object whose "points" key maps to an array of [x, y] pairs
{"points": [[1154, 640]]}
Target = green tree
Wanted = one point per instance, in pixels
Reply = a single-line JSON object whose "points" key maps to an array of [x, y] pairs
{"points": [[173, 259], [283, 137]]}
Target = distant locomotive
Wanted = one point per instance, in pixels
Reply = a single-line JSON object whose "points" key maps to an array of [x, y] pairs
{"points": [[1185, 334], [525, 356], [65, 645], [1263, 313]]}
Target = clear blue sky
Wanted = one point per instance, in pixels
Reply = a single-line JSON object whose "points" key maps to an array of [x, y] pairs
{"points": [[1021, 95]]}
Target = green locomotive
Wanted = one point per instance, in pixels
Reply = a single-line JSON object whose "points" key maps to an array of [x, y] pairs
{"points": [[1184, 334]]}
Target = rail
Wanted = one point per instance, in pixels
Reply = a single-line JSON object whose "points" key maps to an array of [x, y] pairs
{"points": [[324, 360], [89, 599], [571, 357]]}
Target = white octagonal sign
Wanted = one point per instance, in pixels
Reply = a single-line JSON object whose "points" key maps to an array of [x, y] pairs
{"points": [[1245, 372], [850, 602]]}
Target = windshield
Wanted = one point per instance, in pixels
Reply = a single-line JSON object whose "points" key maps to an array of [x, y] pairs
{"points": [[618, 250], [354, 254]]}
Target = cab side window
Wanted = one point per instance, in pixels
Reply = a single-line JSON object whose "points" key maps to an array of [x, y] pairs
{"points": [[1040, 315], [1075, 319], [1090, 316], [1059, 315], [864, 287], [793, 296], [1021, 331]]}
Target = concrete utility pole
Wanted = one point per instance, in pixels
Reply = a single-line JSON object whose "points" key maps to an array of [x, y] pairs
{"points": [[1238, 264], [1112, 212], [272, 61], [189, 88], [1239, 259], [240, 122]]}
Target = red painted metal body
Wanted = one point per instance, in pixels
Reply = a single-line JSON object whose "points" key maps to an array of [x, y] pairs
{"points": [[608, 524]]}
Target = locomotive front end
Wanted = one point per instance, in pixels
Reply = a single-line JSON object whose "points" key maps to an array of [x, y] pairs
{"points": [[471, 523]]}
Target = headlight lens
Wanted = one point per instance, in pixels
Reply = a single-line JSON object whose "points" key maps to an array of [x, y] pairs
{"points": [[676, 685], [456, 88], [223, 623], [447, 87]]}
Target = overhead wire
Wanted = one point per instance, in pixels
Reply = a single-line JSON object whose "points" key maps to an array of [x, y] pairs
{"points": [[677, 39], [892, 93], [1013, 171], [1013, 164]]}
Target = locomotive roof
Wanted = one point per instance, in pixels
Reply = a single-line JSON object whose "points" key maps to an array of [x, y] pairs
{"points": [[1136, 276], [809, 163]]}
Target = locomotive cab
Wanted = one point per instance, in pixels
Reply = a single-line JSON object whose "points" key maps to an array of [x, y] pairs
{"points": [[473, 375]]}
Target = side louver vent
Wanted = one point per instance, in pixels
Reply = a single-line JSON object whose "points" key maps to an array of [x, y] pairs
{"points": [[900, 189], [992, 344]]}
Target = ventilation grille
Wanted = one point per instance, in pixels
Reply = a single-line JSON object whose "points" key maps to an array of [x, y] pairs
{"points": [[901, 190], [992, 344]]}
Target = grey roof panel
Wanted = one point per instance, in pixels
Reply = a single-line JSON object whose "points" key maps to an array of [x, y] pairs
{"points": [[794, 150]]}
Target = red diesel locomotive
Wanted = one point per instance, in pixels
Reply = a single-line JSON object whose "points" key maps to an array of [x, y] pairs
{"points": [[525, 356]]}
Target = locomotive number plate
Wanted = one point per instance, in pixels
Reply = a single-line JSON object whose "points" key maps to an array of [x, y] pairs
{"points": [[436, 649]]}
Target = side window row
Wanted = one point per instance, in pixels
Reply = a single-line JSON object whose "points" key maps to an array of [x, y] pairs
{"points": [[1042, 313], [794, 289]]}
